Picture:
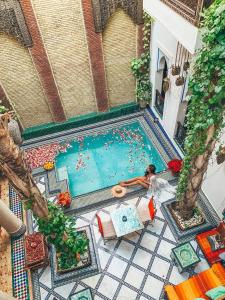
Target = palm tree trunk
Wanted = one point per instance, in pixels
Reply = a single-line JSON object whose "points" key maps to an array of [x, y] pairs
{"points": [[199, 167], [13, 164]]}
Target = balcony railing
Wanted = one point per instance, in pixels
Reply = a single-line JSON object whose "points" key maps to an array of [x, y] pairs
{"points": [[159, 103], [189, 9], [180, 135]]}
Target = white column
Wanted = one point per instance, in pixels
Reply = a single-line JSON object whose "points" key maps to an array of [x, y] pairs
{"points": [[13, 225]]}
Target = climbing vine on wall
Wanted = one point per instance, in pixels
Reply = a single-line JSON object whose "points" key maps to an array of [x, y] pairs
{"points": [[206, 93], [140, 67]]}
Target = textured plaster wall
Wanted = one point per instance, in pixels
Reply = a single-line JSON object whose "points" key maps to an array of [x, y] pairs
{"points": [[163, 43], [119, 47], [21, 83], [62, 28]]}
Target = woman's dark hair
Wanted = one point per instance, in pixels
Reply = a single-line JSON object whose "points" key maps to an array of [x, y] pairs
{"points": [[152, 168], [146, 173]]}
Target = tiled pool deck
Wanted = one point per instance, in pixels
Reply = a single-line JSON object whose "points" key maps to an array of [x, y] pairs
{"points": [[46, 147], [133, 267]]}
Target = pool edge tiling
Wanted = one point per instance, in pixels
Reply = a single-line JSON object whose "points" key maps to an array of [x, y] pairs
{"points": [[153, 131]]}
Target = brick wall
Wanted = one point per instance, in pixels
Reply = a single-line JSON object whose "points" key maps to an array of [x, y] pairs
{"points": [[86, 71]]}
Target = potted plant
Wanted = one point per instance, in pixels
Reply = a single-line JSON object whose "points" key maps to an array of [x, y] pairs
{"points": [[140, 69], [64, 199], [69, 243]]}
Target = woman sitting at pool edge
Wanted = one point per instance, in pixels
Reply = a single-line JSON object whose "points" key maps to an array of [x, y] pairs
{"points": [[144, 181]]}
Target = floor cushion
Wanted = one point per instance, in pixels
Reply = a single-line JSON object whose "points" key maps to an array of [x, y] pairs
{"points": [[216, 293]]}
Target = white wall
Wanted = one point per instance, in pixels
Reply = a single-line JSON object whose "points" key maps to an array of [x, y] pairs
{"points": [[162, 39], [214, 183], [180, 28], [169, 28]]}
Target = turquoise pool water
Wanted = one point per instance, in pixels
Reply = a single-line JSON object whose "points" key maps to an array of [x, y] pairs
{"points": [[103, 159]]}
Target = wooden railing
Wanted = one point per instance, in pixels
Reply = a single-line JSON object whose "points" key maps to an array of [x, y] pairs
{"points": [[189, 9]]}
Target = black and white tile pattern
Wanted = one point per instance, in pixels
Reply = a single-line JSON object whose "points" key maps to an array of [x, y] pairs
{"points": [[135, 267]]}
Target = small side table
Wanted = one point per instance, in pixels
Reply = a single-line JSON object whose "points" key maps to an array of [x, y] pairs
{"points": [[126, 220], [184, 257], [82, 295]]}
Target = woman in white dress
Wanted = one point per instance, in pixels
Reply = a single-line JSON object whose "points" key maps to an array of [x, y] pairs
{"points": [[144, 181], [157, 187], [160, 189]]}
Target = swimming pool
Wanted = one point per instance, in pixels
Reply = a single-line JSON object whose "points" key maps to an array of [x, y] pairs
{"points": [[106, 157]]}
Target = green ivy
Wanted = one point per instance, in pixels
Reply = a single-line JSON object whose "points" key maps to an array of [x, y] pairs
{"points": [[3, 109], [140, 67], [54, 228], [206, 90]]}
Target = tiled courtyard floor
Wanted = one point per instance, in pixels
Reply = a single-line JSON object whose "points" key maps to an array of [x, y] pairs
{"points": [[136, 266]]}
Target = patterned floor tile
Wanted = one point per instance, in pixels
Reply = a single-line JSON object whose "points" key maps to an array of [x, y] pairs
{"points": [[134, 236], [168, 234], [142, 258], [160, 267], [176, 277], [159, 213], [126, 293], [153, 287], [165, 249], [117, 267], [142, 298], [125, 250], [98, 298], [92, 281], [64, 290], [156, 227], [149, 241], [108, 287], [104, 257], [108, 245], [134, 277], [46, 277], [44, 293]]}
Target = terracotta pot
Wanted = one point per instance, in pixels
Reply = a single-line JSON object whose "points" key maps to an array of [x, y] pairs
{"points": [[175, 70], [179, 81]]}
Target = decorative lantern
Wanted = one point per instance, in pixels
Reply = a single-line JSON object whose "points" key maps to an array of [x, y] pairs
{"points": [[175, 70], [186, 66], [220, 155], [166, 84], [179, 81]]}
